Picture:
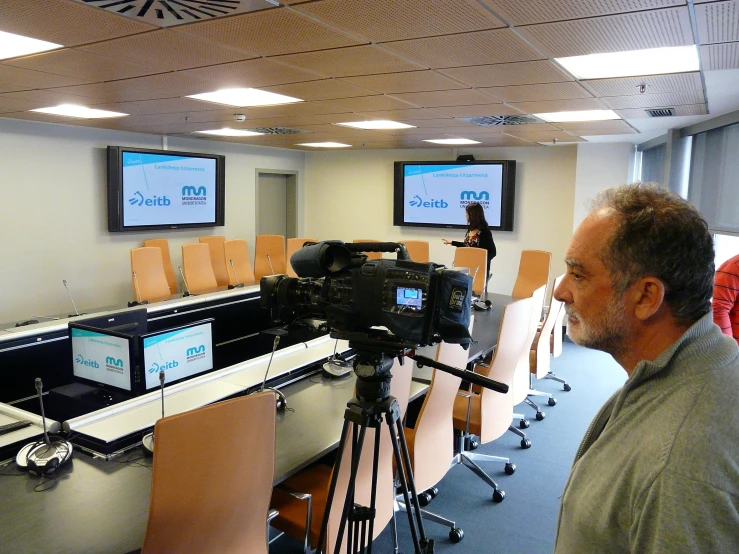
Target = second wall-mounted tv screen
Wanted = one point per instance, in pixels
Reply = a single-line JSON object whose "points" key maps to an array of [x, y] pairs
{"points": [[162, 189], [435, 194]]}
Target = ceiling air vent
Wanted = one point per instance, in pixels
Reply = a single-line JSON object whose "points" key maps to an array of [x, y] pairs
{"points": [[494, 120], [277, 131], [661, 112]]}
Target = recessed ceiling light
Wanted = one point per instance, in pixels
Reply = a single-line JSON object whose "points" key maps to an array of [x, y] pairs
{"points": [[227, 132], [582, 115], [242, 97], [452, 141], [12, 46], [376, 124], [70, 110], [325, 144], [652, 61]]}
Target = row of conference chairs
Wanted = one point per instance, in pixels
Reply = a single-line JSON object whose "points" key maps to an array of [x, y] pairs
{"points": [[297, 506]]}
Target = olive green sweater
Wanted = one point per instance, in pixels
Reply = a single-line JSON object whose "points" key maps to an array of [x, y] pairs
{"points": [[658, 469]]}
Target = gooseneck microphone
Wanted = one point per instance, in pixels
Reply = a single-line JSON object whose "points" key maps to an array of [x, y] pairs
{"points": [[69, 292], [281, 400], [184, 282], [46, 456], [147, 440], [238, 285], [137, 302], [272, 269]]}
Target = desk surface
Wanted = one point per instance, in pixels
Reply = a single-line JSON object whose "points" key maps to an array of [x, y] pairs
{"points": [[97, 506]]}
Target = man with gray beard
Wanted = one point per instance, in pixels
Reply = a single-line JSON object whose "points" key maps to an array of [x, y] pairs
{"points": [[658, 469]]}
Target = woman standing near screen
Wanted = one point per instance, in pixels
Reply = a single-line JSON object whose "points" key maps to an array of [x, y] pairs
{"points": [[478, 234]]}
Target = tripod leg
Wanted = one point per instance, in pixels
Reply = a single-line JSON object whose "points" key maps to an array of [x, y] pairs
{"points": [[349, 501], [402, 464]]}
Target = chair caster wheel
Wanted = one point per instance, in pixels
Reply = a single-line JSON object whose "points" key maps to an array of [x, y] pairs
{"points": [[567, 387], [540, 416], [471, 443], [552, 401], [523, 424], [433, 491], [510, 468], [424, 499], [456, 535], [525, 443], [498, 495]]}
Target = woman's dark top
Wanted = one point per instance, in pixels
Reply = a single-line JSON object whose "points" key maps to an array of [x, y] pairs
{"points": [[483, 239]]}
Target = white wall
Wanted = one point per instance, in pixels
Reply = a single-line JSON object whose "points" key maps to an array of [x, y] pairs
{"points": [[53, 218], [350, 195], [599, 166]]}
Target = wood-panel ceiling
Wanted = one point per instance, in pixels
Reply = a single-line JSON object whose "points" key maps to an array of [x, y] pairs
{"points": [[427, 63]]}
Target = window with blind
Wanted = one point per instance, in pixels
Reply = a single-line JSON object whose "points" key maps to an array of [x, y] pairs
{"points": [[653, 165]]}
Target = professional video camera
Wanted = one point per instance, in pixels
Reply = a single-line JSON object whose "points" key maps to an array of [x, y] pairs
{"points": [[420, 303]]}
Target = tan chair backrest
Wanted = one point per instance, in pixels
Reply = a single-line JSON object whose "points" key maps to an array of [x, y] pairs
{"points": [[433, 443], [201, 500], [496, 409], [293, 245], [163, 244], [418, 250], [217, 258], [540, 355], [371, 255], [533, 272], [400, 389], [476, 259], [197, 267], [521, 377], [237, 251], [274, 247], [150, 282]]}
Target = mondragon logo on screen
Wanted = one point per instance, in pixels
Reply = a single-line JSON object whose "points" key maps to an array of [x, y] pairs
{"points": [[114, 364], [470, 196], [195, 353], [194, 196]]}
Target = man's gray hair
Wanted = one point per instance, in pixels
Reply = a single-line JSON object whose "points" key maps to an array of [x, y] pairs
{"points": [[661, 235]]}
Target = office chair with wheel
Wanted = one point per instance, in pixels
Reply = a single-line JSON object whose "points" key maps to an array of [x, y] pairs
{"points": [[240, 272], [555, 346], [533, 272], [163, 244], [269, 256], [301, 499], [487, 413], [147, 275], [418, 250], [217, 258], [201, 501], [197, 268], [293, 245], [476, 259]]}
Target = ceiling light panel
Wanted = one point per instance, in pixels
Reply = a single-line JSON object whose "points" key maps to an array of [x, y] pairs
{"points": [[227, 132], [242, 97], [582, 115], [652, 61], [13, 46], [452, 141], [71, 110], [324, 144], [376, 124]]}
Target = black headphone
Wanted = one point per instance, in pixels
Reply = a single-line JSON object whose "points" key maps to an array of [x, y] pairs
{"points": [[52, 463]]}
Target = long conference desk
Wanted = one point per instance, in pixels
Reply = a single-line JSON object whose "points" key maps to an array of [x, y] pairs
{"points": [[98, 506]]}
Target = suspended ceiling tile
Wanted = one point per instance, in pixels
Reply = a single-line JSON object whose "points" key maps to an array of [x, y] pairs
{"points": [[386, 21], [544, 91], [548, 106], [364, 104], [530, 127], [113, 91], [270, 33], [166, 50], [559, 136], [409, 81], [418, 118], [580, 128], [81, 65], [479, 110], [46, 98], [9, 104], [626, 86], [506, 141], [463, 97], [597, 132], [348, 62], [718, 22], [163, 106], [482, 47], [6, 87], [63, 22], [508, 74], [720, 56], [30, 79], [636, 113], [301, 109], [325, 89], [251, 73], [517, 12], [668, 99], [614, 33], [170, 84]]}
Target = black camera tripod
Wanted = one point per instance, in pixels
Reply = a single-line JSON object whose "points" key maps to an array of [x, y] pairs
{"points": [[371, 404]]}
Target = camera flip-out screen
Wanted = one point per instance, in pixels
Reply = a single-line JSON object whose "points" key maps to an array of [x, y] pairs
{"points": [[409, 297]]}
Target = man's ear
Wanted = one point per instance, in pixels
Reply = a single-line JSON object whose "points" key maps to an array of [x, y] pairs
{"points": [[648, 294]]}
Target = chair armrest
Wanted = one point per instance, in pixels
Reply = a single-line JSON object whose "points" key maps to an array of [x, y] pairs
{"points": [[303, 496]]}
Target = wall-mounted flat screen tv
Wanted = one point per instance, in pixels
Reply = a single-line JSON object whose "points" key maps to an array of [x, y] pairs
{"points": [[435, 194], [163, 189]]}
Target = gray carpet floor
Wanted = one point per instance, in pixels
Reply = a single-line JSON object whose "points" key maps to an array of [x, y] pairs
{"points": [[525, 522]]}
